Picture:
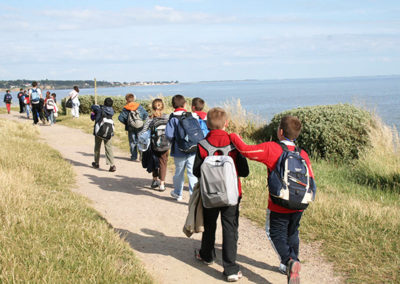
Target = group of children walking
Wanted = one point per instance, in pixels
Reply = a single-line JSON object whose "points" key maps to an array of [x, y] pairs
{"points": [[33, 102], [199, 143]]}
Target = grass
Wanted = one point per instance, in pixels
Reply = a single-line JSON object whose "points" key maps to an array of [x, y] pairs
{"points": [[48, 233], [356, 216]]}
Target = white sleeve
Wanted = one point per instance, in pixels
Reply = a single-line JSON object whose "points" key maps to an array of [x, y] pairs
{"points": [[39, 92]]}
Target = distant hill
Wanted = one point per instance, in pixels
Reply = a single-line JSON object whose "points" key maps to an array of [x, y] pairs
{"points": [[68, 84]]}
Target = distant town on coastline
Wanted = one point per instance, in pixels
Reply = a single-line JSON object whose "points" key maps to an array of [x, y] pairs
{"points": [[67, 84]]}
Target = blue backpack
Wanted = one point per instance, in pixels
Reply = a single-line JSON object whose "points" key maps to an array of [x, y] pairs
{"points": [[8, 98], [189, 133], [35, 95], [203, 126], [290, 184]]}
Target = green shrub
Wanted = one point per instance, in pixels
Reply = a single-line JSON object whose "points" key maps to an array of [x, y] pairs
{"points": [[334, 132]]}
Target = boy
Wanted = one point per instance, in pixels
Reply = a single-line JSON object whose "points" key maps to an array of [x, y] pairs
{"points": [[217, 120], [197, 107], [132, 109], [182, 160], [281, 223], [100, 111], [35, 95], [7, 100]]}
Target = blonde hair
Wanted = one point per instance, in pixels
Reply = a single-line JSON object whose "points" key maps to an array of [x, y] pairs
{"points": [[216, 118], [130, 97], [158, 106]]}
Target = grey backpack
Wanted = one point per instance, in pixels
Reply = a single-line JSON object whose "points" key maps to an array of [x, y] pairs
{"points": [[135, 122], [219, 180]]}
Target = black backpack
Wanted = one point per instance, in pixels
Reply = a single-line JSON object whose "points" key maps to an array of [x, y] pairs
{"points": [[8, 98], [104, 128], [189, 133], [290, 184], [159, 141]]}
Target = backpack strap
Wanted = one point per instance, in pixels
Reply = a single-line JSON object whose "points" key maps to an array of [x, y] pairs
{"points": [[286, 149], [211, 150]]}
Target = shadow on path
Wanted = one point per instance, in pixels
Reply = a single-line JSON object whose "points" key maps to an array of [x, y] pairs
{"points": [[154, 242]]}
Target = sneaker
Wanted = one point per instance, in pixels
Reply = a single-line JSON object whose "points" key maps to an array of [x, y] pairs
{"points": [[154, 183], [95, 165], [282, 268], [234, 277], [112, 169], [199, 258], [293, 271], [176, 196], [162, 187]]}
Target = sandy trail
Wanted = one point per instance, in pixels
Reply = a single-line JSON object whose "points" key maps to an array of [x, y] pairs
{"points": [[152, 221]]}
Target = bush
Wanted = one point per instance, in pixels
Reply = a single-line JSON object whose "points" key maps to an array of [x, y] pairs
{"points": [[333, 132]]}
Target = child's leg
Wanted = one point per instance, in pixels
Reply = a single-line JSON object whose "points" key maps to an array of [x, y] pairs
{"points": [[133, 144], [230, 224], [207, 251], [97, 144], [277, 231], [8, 107], [293, 234], [179, 177], [109, 152], [163, 165], [192, 178]]}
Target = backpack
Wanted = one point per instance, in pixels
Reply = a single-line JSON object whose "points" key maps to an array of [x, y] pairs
{"points": [[104, 128], [35, 96], [159, 141], [143, 141], [134, 120], [290, 184], [50, 104], [189, 133], [204, 127], [218, 180], [8, 98]]}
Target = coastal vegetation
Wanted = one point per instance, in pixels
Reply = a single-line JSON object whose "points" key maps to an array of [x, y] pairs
{"points": [[48, 233], [356, 161]]}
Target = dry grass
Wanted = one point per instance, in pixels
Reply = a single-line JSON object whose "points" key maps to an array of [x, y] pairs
{"points": [[48, 233]]}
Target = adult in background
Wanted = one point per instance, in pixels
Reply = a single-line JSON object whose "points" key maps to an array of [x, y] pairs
{"points": [[21, 98], [35, 95], [7, 100], [73, 95]]}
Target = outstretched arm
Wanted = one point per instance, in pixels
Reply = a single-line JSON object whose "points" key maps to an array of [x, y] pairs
{"points": [[254, 152]]}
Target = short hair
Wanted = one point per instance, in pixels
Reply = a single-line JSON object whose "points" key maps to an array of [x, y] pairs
{"points": [[130, 97], [34, 84], [76, 89], [7, 91], [291, 126], [108, 102], [178, 101], [21, 89], [198, 104], [216, 118]]}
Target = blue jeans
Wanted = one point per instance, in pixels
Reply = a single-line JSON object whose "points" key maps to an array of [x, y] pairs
{"points": [[133, 138], [51, 116], [179, 177], [28, 110], [283, 231]]}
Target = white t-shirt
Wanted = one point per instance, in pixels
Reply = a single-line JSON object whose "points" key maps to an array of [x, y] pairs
{"points": [[30, 95], [74, 96]]}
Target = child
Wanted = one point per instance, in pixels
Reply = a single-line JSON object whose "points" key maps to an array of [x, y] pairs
{"points": [[159, 143], [74, 96], [281, 223], [7, 100], [217, 120], [133, 113], [107, 111], [197, 107], [49, 107], [182, 159], [27, 104], [35, 97]]}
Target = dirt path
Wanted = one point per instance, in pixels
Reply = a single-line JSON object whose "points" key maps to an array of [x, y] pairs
{"points": [[152, 221]]}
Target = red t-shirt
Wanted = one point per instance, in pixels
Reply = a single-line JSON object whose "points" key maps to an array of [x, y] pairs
{"points": [[268, 153]]}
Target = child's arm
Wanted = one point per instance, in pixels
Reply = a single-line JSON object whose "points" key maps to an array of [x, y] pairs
{"points": [[198, 161], [258, 152], [242, 166], [123, 117]]}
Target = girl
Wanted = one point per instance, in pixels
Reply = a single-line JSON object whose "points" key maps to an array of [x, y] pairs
{"points": [[49, 106]]}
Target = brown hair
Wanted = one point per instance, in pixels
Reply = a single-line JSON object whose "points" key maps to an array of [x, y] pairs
{"points": [[216, 118], [178, 101], [198, 104], [291, 126], [34, 84], [158, 106], [130, 97], [76, 89], [48, 95]]}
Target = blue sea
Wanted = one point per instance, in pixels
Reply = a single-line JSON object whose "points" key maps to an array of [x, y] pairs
{"points": [[268, 97]]}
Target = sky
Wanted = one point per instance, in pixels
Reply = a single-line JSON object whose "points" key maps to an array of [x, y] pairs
{"points": [[198, 40]]}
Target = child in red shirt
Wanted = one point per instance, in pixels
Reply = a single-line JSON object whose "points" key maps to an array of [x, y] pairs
{"points": [[281, 223], [217, 120]]}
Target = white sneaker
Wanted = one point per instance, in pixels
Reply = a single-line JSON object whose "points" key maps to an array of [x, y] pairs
{"points": [[234, 277], [176, 196], [162, 187], [282, 268]]}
